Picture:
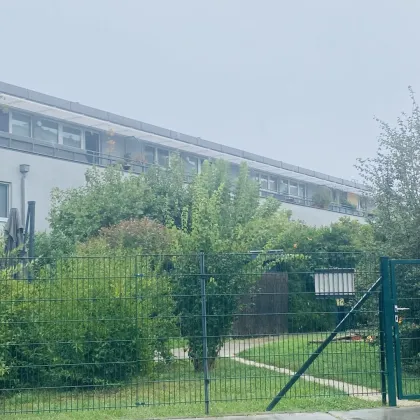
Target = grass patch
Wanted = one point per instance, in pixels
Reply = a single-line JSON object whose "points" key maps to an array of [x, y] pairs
{"points": [[178, 391], [354, 362]]}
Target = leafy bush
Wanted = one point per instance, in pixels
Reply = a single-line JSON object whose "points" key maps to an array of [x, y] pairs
{"points": [[49, 249], [228, 277], [111, 196], [99, 321], [140, 234], [108, 197]]}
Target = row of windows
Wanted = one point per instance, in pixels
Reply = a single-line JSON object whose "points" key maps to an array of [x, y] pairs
{"points": [[53, 132], [56, 133], [155, 155], [281, 186], [297, 189], [61, 133]]}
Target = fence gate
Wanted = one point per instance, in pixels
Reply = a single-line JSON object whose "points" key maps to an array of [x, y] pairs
{"points": [[403, 310]]}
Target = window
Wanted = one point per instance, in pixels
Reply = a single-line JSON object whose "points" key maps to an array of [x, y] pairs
{"points": [[284, 187], [72, 137], [149, 155], [272, 184], [46, 130], [336, 197], [264, 182], [343, 196], [163, 157], [4, 121], [21, 124], [302, 191], [294, 189], [4, 200], [92, 146], [190, 165]]}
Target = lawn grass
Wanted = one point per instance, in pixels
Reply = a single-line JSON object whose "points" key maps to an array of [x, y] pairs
{"points": [[354, 362], [178, 392]]}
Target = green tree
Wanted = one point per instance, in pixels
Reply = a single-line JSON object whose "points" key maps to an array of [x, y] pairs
{"points": [[167, 195], [393, 178], [222, 213]]}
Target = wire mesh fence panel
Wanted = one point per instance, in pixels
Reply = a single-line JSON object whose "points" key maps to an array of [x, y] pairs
{"points": [[407, 299], [279, 320], [89, 333], [94, 333]]}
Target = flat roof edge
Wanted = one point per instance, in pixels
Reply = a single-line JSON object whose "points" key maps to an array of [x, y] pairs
{"points": [[76, 107]]}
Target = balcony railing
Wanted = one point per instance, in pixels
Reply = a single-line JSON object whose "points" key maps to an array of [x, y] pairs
{"points": [[58, 151], [307, 202], [30, 145]]}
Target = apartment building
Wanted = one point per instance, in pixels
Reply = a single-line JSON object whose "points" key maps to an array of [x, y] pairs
{"points": [[48, 142]]}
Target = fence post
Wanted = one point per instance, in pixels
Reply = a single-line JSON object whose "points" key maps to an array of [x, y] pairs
{"points": [[204, 333], [382, 346], [31, 253], [388, 323], [136, 301]]}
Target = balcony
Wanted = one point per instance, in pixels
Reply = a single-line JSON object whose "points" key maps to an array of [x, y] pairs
{"points": [[58, 151], [37, 147], [307, 202]]}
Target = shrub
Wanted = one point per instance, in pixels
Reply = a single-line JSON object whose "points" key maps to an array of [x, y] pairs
{"points": [[228, 278], [139, 234], [96, 321]]}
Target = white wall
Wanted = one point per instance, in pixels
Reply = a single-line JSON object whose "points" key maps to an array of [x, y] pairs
{"points": [[45, 174], [316, 217]]}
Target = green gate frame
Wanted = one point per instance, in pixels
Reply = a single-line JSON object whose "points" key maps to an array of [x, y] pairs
{"points": [[387, 321], [391, 366], [392, 310]]}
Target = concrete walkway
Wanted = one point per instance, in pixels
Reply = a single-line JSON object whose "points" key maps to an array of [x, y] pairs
{"points": [[374, 414]]}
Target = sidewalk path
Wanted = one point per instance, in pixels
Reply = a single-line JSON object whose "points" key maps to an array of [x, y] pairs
{"points": [[373, 414]]}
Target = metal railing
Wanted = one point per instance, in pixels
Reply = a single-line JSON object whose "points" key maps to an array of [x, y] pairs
{"points": [[177, 334], [58, 151], [307, 202], [30, 145]]}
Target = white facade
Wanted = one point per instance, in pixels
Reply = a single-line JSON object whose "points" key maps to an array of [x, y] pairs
{"points": [[59, 140], [44, 174]]}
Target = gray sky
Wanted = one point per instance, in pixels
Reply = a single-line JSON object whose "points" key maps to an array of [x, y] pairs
{"points": [[294, 80]]}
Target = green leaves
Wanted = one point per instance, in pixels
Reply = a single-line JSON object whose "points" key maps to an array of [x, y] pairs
{"points": [[95, 323], [108, 197], [393, 176]]}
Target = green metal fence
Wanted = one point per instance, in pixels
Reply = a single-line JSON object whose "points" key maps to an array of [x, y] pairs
{"points": [[405, 309], [201, 330]]}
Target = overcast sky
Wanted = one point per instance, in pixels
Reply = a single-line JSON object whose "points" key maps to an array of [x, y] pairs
{"points": [[299, 81]]}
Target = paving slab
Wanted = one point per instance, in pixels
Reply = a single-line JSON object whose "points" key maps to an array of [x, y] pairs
{"points": [[412, 413]]}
